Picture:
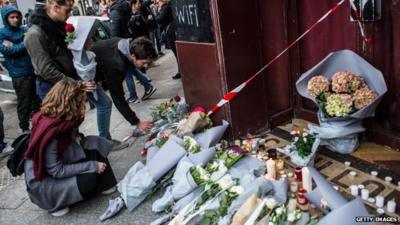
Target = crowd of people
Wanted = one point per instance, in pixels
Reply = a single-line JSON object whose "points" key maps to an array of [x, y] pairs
{"points": [[54, 75]]}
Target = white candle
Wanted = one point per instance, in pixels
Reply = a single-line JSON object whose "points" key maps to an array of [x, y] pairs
{"points": [[237, 142], [388, 179], [292, 205], [380, 201], [271, 169], [293, 187], [354, 190], [280, 164], [364, 194], [307, 179], [391, 206]]}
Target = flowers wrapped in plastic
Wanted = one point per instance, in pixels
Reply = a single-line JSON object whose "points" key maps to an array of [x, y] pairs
{"points": [[196, 121], [303, 148], [350, 99], [190, 174], [342, 211]]}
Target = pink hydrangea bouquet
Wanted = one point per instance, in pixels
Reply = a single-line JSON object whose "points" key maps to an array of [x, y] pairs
{"points": [[343, 95]]}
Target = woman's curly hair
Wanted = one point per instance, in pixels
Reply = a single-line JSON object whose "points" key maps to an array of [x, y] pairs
{"points": [[66, 100]]}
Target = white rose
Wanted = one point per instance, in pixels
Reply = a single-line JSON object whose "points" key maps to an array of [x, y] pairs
{"points": [[296, 139], [236, 189], [305, 134], [270, 203], [279, 210], [225, 182], [305, 139], [291, 217]]}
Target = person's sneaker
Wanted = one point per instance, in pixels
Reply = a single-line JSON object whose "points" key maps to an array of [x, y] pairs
{"points": [[148, 93], [177, 76], [60, 212], [160, 53], [109, 191], [133, 100], [6, 151], [117, 145]]}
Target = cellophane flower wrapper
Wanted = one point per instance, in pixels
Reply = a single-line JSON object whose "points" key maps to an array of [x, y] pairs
{"points": [[212, 136], [182, 181], [342, 211], [341, 134], [140, 179], [290, 150], [195, 122], [246, 170]]}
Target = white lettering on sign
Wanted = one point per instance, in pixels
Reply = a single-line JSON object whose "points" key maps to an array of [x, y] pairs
{"points": [[187, 14]]}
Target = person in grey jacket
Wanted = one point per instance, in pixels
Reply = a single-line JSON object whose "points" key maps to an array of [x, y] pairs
{"points": [[63, 167]]}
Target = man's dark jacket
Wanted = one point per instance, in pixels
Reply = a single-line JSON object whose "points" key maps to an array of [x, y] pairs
{"points": [[120, 12], [112, 67]]}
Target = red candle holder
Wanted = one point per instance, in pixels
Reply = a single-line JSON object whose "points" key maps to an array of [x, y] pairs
{"points": [[298, 174]]}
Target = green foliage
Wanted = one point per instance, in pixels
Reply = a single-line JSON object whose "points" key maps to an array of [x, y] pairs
{"points": [[303, 148]]}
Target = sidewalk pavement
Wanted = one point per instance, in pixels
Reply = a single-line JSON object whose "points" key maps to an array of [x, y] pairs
{"points": [[17, 209]]}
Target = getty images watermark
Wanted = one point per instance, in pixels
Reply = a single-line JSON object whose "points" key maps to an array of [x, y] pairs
{"points": [[375, 219]]}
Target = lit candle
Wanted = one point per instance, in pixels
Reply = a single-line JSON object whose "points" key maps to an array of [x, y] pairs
{"points": [[307, 179], [298, 174], [293, 187], [280, 164], [364, 194], [271, 169], [380, 201], [391, 206], [292, 205], [354, 190], [237, 142], [324, 203]]}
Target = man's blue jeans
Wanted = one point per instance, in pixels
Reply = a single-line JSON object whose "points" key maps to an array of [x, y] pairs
{"points": [[42, 88], [103, 108], [131, 84]]}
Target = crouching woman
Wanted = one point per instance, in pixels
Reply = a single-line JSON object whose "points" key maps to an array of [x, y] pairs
{"points": [[62, 167]]}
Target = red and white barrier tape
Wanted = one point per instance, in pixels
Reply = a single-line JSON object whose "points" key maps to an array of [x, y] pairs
{"points": [[230, 95], [366, 39]]}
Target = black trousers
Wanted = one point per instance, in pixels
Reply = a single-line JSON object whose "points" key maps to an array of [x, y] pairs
{"points": [[91, 184], [27, 100]]}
